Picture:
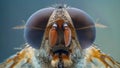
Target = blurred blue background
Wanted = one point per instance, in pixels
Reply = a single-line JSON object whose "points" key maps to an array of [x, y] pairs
{"points": [[12, 12]]}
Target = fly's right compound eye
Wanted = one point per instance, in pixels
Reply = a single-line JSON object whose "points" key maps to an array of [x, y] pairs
{"points": [[84, 26]]}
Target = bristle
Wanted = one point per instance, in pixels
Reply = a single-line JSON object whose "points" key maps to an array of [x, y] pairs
{"points": [[66, 60], [60, 6], [55, 60]]}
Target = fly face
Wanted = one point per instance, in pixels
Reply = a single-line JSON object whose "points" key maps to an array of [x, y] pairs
{"points": [[58, 31]]}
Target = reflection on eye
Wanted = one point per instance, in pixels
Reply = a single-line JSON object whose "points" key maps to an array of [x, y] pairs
{"points": [[54, 25], [65, 24]]}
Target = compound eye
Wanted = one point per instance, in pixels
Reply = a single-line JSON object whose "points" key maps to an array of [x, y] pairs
{"points": [[35, 27], [84, 26]]}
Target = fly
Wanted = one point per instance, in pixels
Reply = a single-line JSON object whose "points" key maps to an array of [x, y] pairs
{"points": [[60, 37]]}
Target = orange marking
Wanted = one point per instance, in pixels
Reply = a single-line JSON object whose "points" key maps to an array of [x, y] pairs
{"points": [[53, 36], [65, 57], [67, 36], [55, 57], [26, 53], [93, 52]]}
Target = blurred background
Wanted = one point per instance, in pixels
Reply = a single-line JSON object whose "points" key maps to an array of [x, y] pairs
{"points": [[13, 12]]}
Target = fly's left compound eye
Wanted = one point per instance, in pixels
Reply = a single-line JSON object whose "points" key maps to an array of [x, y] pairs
{"points": [[35, 27]]}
